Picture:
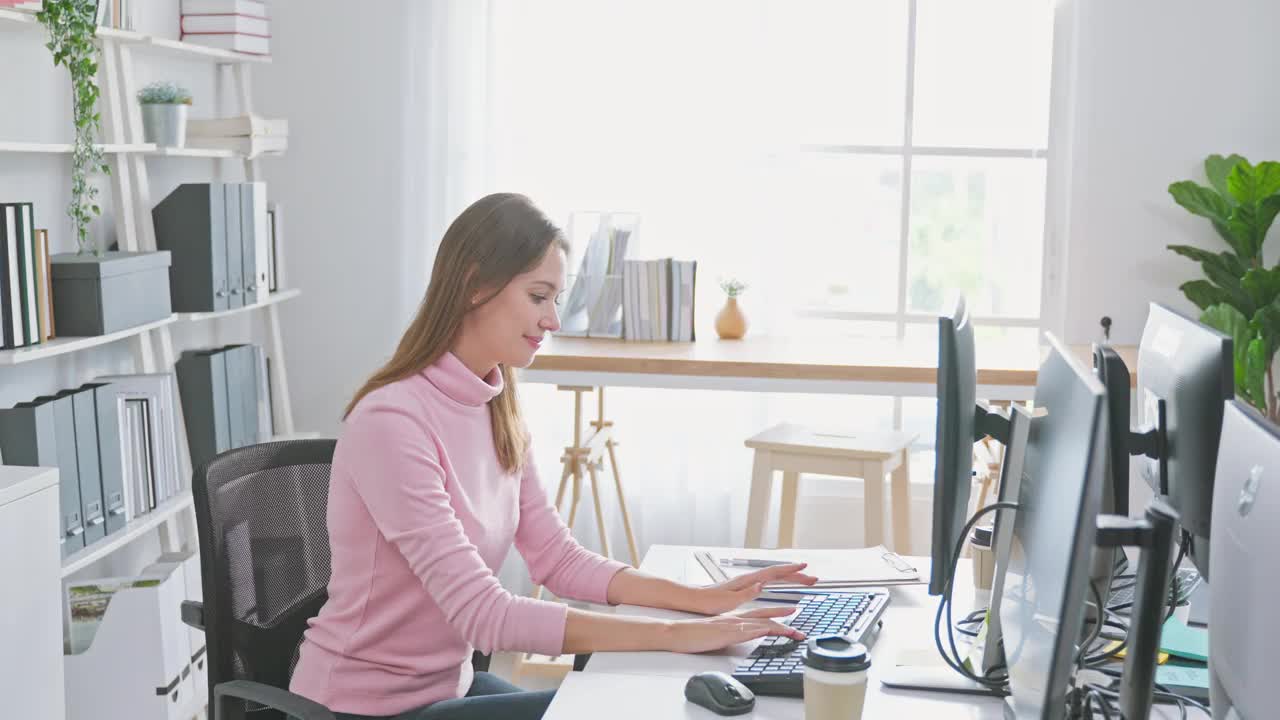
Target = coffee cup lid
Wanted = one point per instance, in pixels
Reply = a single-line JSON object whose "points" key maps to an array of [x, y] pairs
{"points": [[836, 653]]}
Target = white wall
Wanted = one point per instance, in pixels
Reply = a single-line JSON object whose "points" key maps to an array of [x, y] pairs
{"points": [[1149, 89], [342, 77]]}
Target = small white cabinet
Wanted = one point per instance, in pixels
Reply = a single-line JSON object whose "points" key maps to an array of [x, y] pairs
{"points": [[30, 595]]}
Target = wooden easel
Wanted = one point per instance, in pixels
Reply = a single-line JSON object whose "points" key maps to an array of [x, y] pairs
{"points": [[588, 457], [579, 459]]}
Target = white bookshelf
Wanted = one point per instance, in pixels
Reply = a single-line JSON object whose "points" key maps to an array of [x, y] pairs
{"points": [[193, 152], [62, 346], [154, 349], [21, 20], [278, 296], [132, 530], [66, 148]]}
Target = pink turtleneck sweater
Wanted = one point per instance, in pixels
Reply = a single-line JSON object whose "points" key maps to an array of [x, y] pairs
{"points": [[421, 516]]}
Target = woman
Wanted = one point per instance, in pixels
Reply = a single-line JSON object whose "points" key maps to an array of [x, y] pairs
{"points": [[432, 483]]}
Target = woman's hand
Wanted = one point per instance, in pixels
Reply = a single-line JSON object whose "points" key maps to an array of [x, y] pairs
{"points": [[714, 633], [732, 593]]}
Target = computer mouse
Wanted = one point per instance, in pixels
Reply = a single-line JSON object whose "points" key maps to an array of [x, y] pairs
{"points": [[719, 693]]}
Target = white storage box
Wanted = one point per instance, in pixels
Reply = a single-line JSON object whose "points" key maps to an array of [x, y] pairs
{"points": [[137, 666], [189, 562]]}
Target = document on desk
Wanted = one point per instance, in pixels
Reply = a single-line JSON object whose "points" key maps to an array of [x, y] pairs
{"points": [[834, 568]]}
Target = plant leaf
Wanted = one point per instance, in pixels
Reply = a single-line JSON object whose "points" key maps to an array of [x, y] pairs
{"points": [[1257, 360], [1232, 322], [1229, 282], [1204, 294], [1216, 169], [1228, 260], [1253, 184], [1200, 200], [1262, 286]]}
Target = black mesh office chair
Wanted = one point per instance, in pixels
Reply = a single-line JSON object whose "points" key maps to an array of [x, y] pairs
{"points": [[264, 556]]}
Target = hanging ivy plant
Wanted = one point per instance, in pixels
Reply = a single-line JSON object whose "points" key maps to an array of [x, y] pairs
{"points": [[72, 25]]}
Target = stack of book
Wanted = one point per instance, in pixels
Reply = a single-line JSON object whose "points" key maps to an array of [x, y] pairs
{"points": [[26, 304], [658, 299], [236, 25], [248, 135]]}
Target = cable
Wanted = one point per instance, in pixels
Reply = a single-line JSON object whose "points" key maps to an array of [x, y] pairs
{"points": [[997, 682], [1164, 691], [1098, 622], [954, 661]]}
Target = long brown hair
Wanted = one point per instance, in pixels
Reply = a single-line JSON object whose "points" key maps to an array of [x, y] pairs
{"points": [[497, 238]]}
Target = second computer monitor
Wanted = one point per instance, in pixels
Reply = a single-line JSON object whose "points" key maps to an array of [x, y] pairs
{"points": [[957, 390], [1047, 579], [1185, 373]]}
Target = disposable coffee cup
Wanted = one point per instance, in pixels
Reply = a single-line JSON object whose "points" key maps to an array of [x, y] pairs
{"points": [[835, 678], [984, 561]]}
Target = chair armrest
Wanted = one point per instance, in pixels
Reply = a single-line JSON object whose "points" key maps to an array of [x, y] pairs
{"points": [[193, 613], [295, 706]]}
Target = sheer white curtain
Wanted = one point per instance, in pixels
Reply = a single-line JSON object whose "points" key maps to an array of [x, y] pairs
{"points": [[716, 121]]}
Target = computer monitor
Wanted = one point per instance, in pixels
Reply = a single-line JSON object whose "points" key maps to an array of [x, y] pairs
{"points": [[1047, 577], [960, 423], [1185, 373], [1246, 577], [1115, 378]]}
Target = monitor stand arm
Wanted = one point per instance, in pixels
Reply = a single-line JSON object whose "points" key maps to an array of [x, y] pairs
{"points": [[1151, 443], [1153, 534], [990, 422]]}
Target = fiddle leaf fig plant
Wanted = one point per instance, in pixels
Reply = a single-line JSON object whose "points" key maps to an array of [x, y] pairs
{"points": [[72, 26], [1239, 295]]}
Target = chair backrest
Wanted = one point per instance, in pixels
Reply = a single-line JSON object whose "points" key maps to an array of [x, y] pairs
{"points": [[264, 554]]}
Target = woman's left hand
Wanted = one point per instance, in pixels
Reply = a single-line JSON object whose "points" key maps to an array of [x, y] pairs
{"points": [[732, 593]]}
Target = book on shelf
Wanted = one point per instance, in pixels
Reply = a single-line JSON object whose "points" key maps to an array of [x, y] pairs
{"points": [[117, 14], [250, 146], [238, 126], [12, 272], [659, 299], [44, 287], [248, 8], [235, 42], [225, 23], [26, 292]]}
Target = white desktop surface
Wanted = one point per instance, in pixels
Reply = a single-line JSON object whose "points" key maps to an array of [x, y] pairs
{"points": [[650, 685]]}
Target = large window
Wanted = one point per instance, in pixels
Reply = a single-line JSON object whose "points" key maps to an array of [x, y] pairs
{"points": [[855, 160]]}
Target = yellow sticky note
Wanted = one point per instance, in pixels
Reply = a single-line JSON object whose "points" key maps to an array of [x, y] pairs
{"points": [[1160, 657]]}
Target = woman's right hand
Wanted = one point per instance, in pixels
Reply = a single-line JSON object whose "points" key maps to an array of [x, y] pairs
{"points": [[720, 631]]}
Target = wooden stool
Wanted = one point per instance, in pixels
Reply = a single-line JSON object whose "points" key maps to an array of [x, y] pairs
{"points": [[793, 449]]}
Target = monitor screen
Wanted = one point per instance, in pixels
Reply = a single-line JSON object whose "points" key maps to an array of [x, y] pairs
{"points": [[1186, 371], [953, 471], [1059, 496]]}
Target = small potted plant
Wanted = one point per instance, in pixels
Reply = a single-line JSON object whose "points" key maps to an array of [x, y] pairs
{"points": [[164, 114], [731, 324]]}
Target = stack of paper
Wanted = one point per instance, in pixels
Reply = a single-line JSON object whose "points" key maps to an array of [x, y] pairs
{"points": [[835, 569]]}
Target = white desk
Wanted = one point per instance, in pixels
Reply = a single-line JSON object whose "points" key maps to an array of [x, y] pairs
{"points": [[650, 685], [837, 364]]}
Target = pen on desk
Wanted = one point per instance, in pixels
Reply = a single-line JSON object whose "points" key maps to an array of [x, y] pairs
{"points": [[752, 562]]}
